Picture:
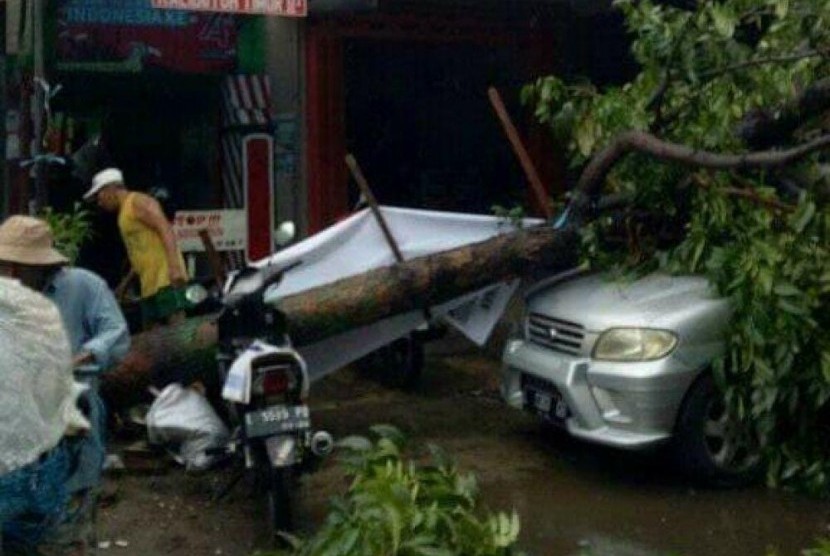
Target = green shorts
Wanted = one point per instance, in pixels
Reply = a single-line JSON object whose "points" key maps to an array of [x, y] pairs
{"points": [[158, 307]]}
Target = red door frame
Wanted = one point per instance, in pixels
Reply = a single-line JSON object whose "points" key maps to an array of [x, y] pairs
{"points": [[326, 173], [325, 119], [258, 185]]}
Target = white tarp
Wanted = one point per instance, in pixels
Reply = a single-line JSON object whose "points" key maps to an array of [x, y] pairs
{"points": [[357, 245]]}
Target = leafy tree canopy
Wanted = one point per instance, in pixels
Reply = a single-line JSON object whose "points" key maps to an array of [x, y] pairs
{"points": [[719, 147]]}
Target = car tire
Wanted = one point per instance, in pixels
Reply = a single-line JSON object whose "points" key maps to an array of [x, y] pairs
{"points": [[405, 358], [708, 446], [397, 365]]}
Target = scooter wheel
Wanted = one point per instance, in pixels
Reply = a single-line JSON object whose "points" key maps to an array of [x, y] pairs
{"points": [[279, 495]]}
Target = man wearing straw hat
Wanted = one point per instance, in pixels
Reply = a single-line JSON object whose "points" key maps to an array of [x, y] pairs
{"points": [[151, 246], [96, 327]]}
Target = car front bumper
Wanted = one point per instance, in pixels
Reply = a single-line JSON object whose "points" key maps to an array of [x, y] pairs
{"points": [[625, 405]]}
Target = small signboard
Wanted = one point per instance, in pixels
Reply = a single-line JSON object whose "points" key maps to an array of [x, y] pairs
{"points": [[130, 36], [227, 229], [290, 8]]}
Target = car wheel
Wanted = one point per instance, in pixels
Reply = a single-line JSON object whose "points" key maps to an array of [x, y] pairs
{"points": [[405, 359], [397, 365], [708, 445]]}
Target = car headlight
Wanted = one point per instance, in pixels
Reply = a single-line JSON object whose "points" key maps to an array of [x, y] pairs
{"points": [[634, 344]]}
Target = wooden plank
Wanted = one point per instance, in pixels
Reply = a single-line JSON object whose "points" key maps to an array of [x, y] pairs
{"points": [[536, 186]]}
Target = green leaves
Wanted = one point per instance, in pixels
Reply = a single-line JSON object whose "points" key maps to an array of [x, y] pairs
{"points": [[702, 73], [782, 7], [397, 508], [505, 529], [69, 229], [803, 216], [724, 19]]}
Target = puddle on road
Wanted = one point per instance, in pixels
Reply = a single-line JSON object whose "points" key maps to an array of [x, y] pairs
{"points": [[599, 502]]}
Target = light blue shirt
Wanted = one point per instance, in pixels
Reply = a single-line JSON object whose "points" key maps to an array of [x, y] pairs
{"points": [[91, 316]]}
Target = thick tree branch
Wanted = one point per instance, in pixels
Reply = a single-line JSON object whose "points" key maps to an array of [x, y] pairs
{"points": [[745, 193], [593, 176], [765, 61], [659, 93], [655, 102], [761, 129]]}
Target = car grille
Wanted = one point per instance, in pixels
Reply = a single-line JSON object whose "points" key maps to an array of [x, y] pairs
{"points": [[555, 334]]}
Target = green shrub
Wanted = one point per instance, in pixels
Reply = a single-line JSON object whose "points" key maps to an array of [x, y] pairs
{"points": [[69, 229], [823, 549], [401, 508]]}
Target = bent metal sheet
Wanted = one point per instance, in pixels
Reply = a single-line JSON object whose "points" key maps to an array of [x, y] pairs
{"points": [[291, 8]]}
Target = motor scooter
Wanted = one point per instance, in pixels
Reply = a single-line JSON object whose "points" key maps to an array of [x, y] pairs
{"points": [[266, 384]]}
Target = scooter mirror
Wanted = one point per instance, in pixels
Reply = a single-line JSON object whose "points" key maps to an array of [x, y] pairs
{"points": [[285, 233], [195, 294]]}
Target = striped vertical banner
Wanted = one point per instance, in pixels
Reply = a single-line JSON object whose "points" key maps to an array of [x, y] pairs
{"points": [[246, 109]]}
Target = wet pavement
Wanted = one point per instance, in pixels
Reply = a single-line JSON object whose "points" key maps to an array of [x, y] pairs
{"points": [[602, 502], [576, 498], [573, 498]]}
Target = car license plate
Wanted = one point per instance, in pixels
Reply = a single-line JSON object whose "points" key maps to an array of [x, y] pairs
{"points": [[542, 402], [549, 404], [277, 419]]}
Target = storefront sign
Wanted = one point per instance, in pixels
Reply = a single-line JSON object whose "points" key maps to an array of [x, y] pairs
{"points": [[227, 229], [128, 36], [291, 8]]}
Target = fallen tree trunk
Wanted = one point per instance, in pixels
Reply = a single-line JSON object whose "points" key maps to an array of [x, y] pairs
{"points": [[420, 283], [349, 303], [157, 356]]}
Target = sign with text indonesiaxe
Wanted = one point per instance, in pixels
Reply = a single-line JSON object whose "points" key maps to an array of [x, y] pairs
{"points": [[291, 8], [129, 36]]}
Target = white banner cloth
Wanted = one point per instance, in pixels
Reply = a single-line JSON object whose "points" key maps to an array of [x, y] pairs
{"points": [[356, 245]]}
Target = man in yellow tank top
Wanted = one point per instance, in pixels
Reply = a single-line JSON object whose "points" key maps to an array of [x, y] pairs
{"points": [[151, 246]]}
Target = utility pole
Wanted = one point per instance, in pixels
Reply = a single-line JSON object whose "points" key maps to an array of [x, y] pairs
{"points": [[40, 93], [5, 187]]}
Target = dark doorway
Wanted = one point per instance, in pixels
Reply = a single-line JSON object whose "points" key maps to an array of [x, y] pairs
{"points": [[419, 121], [160, 129]]}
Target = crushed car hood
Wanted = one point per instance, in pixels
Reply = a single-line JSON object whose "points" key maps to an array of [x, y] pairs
{"points": [[598, 302]]}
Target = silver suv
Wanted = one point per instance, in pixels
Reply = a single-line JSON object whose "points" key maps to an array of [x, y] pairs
{"points": [[628, 365]]}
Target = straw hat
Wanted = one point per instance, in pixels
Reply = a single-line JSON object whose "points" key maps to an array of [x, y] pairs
{"points": [[27, 240], [102, 179]]}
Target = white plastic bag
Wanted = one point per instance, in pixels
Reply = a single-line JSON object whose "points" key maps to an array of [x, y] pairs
{"points": [[182, 420]]}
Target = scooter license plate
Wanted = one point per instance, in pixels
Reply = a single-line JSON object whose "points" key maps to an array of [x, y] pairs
{"points": [[277, 419]]}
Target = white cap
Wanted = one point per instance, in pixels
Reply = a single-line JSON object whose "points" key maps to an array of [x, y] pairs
{"points": [[103, 179]]}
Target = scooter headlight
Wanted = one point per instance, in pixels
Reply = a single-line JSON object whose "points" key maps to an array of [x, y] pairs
{"points": [[634, 344]]}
